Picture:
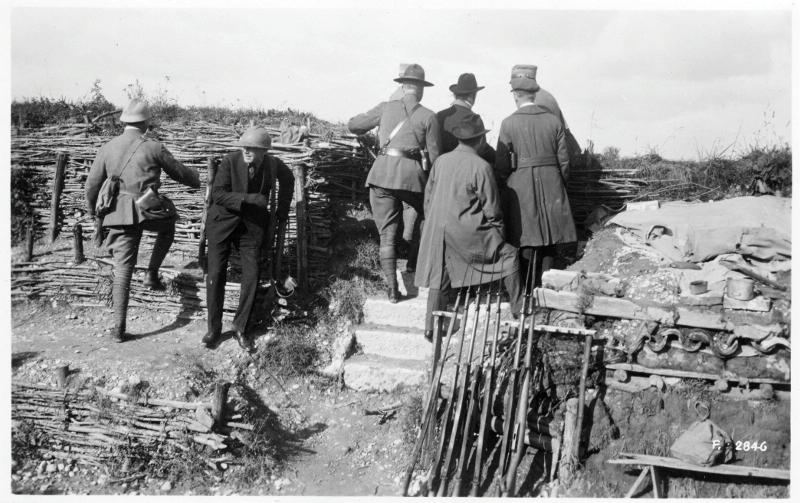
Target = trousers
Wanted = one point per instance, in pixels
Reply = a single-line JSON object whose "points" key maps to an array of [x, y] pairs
{"points": [[123, 243], [218, 254]]}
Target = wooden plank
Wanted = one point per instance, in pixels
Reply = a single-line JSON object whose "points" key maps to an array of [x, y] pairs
{"points": [[632, 367], [624, 308], [640, 480], [676, 464]]}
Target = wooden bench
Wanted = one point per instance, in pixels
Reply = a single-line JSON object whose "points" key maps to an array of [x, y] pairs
{"points": [[651, 466]]}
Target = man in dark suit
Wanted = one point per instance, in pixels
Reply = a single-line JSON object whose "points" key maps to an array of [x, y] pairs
{"points": [[465, 92], [239, 215], [138, 162], [409, 141]]}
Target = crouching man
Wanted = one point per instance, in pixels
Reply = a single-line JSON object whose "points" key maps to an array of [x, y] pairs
{"points": [[239, 216], [463, 239]]}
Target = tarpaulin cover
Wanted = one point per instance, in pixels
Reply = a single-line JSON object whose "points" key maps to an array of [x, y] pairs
{"points": [[758, 227]]}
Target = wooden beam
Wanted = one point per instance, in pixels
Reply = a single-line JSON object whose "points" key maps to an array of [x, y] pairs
{"points": [[58, 188], [632, 367], [624, 308], [677, 464]]}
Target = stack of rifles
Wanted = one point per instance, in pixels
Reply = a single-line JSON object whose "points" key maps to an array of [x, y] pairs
{"points": [[499, 399]]}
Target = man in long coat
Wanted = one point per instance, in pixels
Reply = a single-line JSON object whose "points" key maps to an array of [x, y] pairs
{"points": [[533, 163], [138, 161], [463, 241], [239, 216], [409, 141], [465, 92]]}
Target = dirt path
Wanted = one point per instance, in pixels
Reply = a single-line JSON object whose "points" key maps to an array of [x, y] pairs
{"points": [[341, 445]]}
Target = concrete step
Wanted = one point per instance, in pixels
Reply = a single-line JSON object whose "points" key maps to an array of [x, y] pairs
{"points": [[378, 373], [393, 342]]}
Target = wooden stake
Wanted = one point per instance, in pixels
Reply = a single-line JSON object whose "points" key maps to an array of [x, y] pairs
{"points": [[77, 243], [220, 399], [58, 188], [299, 171], [29, 236]]}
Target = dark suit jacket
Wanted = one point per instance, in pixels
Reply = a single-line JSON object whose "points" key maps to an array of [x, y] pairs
{"points": [[448, 119], [422, 130], [143, 171], [228, 208]]}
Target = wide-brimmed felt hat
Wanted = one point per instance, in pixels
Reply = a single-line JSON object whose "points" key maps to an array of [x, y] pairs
{"points": [[412, 73], [471, 126], [523, 78], [466, 84]]}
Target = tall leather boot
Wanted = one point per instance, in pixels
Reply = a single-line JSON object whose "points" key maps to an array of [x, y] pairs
{"points": [[389, 267], [120, 293]]}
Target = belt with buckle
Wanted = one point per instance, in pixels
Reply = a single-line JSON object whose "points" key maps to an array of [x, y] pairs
{"points": [[398, 152]]}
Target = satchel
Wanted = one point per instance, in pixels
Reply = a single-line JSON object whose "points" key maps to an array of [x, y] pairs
{"points": [[109, 190], [703, 443], [153, 206]]}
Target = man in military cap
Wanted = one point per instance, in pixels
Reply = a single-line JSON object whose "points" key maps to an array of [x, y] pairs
{"points": [[465, 92], [409, 144], [533, 163], [137, 161], [239, 215], [463, 241]]}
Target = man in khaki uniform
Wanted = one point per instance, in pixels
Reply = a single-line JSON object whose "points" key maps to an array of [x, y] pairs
{"points": [[409, 141], [137, 161]]}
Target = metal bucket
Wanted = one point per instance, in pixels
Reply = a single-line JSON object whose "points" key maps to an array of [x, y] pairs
{"points": [[740, 288]]}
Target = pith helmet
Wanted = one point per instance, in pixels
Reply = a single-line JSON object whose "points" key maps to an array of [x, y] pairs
{"points": [[255, 137], [469, 127], [412, 73], [136, 111], [523, 78], [466, 84]]}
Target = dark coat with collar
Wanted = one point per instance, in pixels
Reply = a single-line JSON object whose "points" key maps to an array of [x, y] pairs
{"points": [[463, 232], [421, 130], [228, 208], [148, 158], [451, 117], [535, 202]]}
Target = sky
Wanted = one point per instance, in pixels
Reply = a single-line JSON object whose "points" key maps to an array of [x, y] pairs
{"points": [[682, 83]]}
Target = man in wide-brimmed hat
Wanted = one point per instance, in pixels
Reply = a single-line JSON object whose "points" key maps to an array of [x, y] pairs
{"points": [[137, 161], [239, 215], [463, 240], [533, 163], [465, 92], [409, 144]]}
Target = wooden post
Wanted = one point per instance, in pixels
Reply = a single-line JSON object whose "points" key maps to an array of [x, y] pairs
{"points": [[299, 171], [220, 399], [587, 353], [77, 243], [29, 237], [58, 187]]}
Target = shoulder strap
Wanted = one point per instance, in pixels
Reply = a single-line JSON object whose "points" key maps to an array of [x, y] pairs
{"points": [[132, 150], [408, 117]]}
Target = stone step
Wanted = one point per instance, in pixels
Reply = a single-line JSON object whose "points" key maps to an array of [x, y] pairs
{"points": [[393, 342], [409, 312], [378, 373]]}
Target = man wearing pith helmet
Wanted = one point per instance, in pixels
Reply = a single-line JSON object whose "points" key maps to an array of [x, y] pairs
{"points": [[463, 240], [137, 161], [239, 215], [533, 163], [465, 92], [409, 144]]}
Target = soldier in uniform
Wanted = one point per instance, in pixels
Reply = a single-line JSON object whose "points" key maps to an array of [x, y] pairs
{"points": [[137, 161], [239, 216], [463, 240], [409, 141], [533, 164], [465, 92]]}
